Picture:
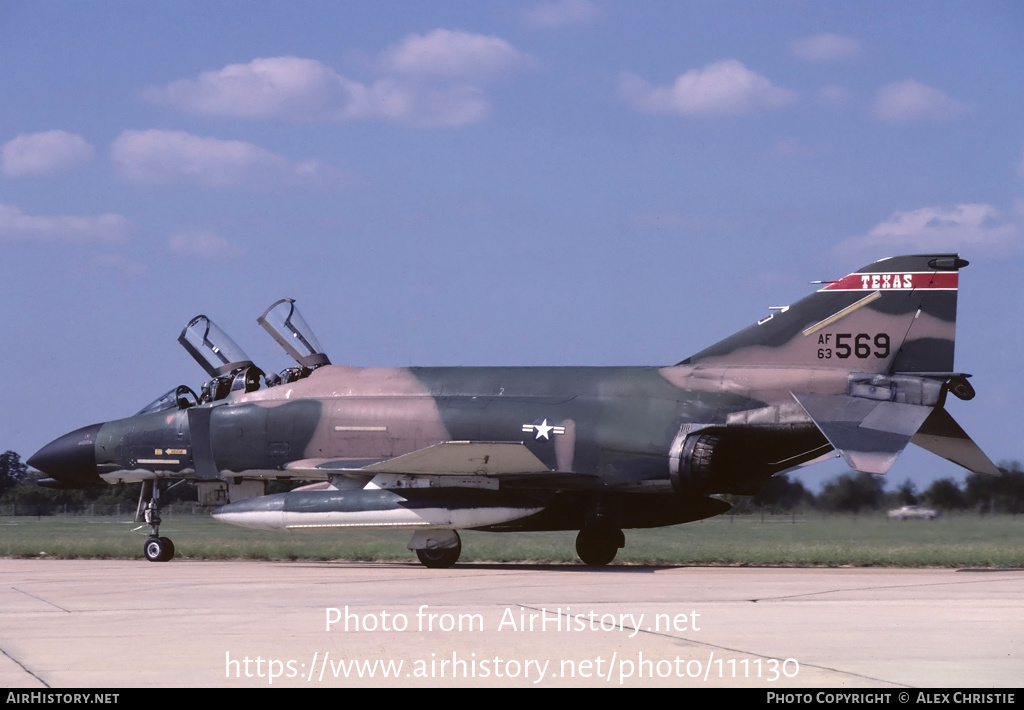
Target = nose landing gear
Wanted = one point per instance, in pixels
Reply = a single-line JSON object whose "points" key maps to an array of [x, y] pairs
{"points": [[159, 549], [156, 549]]}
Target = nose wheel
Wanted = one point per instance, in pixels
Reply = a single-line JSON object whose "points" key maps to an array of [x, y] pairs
{"points": [[156, 549]]}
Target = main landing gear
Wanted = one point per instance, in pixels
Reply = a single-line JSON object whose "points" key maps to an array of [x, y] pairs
{"points": [[437, 549], [156, 549], [597, 545]]}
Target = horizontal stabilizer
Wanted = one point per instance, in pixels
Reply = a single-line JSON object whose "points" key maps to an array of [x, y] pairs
{"points": [[868, 434], [941, 435]]}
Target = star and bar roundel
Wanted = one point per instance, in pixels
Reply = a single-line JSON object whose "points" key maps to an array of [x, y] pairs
{"points": [[542, 430]]}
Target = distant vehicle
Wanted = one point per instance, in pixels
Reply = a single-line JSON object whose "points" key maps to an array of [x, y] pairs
{"points": [[914, 512]]}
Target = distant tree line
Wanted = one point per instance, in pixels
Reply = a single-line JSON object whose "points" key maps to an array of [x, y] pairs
{"points": [[847, 493], [20, 487], [12, 472], [863, 492]]}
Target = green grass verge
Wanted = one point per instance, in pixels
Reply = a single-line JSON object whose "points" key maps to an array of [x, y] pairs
{"points": [[836, 540]]}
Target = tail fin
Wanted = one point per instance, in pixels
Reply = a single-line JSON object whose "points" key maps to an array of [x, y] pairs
{"points": [[891, 326], [895, 315]]}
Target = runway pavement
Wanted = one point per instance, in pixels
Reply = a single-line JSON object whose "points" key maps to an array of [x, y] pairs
{"points": [[125, 623]]}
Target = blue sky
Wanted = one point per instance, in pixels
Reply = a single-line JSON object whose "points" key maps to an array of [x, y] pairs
{"points": [[568, 182]]}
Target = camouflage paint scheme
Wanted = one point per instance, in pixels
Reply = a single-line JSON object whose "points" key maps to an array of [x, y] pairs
{"points": [[861, 366]]}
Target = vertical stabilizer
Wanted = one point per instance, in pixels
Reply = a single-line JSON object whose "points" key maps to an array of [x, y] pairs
{"points": [[895, 315]]}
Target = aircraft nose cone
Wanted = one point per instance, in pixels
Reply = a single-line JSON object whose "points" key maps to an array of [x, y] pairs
{"points": [[71, 459]]}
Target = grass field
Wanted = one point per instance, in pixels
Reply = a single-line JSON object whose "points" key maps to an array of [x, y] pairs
{"points": [[818, 540]]}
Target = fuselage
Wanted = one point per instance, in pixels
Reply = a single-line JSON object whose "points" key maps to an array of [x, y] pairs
{"points": [[617, 423]]}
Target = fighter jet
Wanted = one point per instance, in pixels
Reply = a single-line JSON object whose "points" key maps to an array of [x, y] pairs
{"points": [[858, 369]]}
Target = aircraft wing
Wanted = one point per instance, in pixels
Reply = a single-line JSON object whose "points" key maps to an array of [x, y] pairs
{"points": [[508, 461], [465, 458], [450, 458]]}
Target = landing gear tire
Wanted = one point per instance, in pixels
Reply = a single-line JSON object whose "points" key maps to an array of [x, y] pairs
{"points": [[158, 549], [597, 547], [168, 548], [441, 558]]}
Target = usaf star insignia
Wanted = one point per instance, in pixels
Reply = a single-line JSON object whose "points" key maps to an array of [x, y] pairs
{"points": [[543, 430]]}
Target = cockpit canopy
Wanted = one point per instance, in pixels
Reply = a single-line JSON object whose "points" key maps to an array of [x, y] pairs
{"points": [[287, 326], [230, 369], [212, 348], [181, 397]]}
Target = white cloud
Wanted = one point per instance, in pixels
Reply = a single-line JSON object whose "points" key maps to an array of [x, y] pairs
{"points": [[725, 87], [825, 48], [157, 156], [909, 101], [561, 12], [453, 53], [202, 244], [47, 153], [275, 87], [17, 226], [402, 103], [429, 83], [966, 226], [105, 229]]}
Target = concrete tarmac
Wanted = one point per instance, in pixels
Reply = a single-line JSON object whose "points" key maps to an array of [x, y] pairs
{"points": [[126, 623]]}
